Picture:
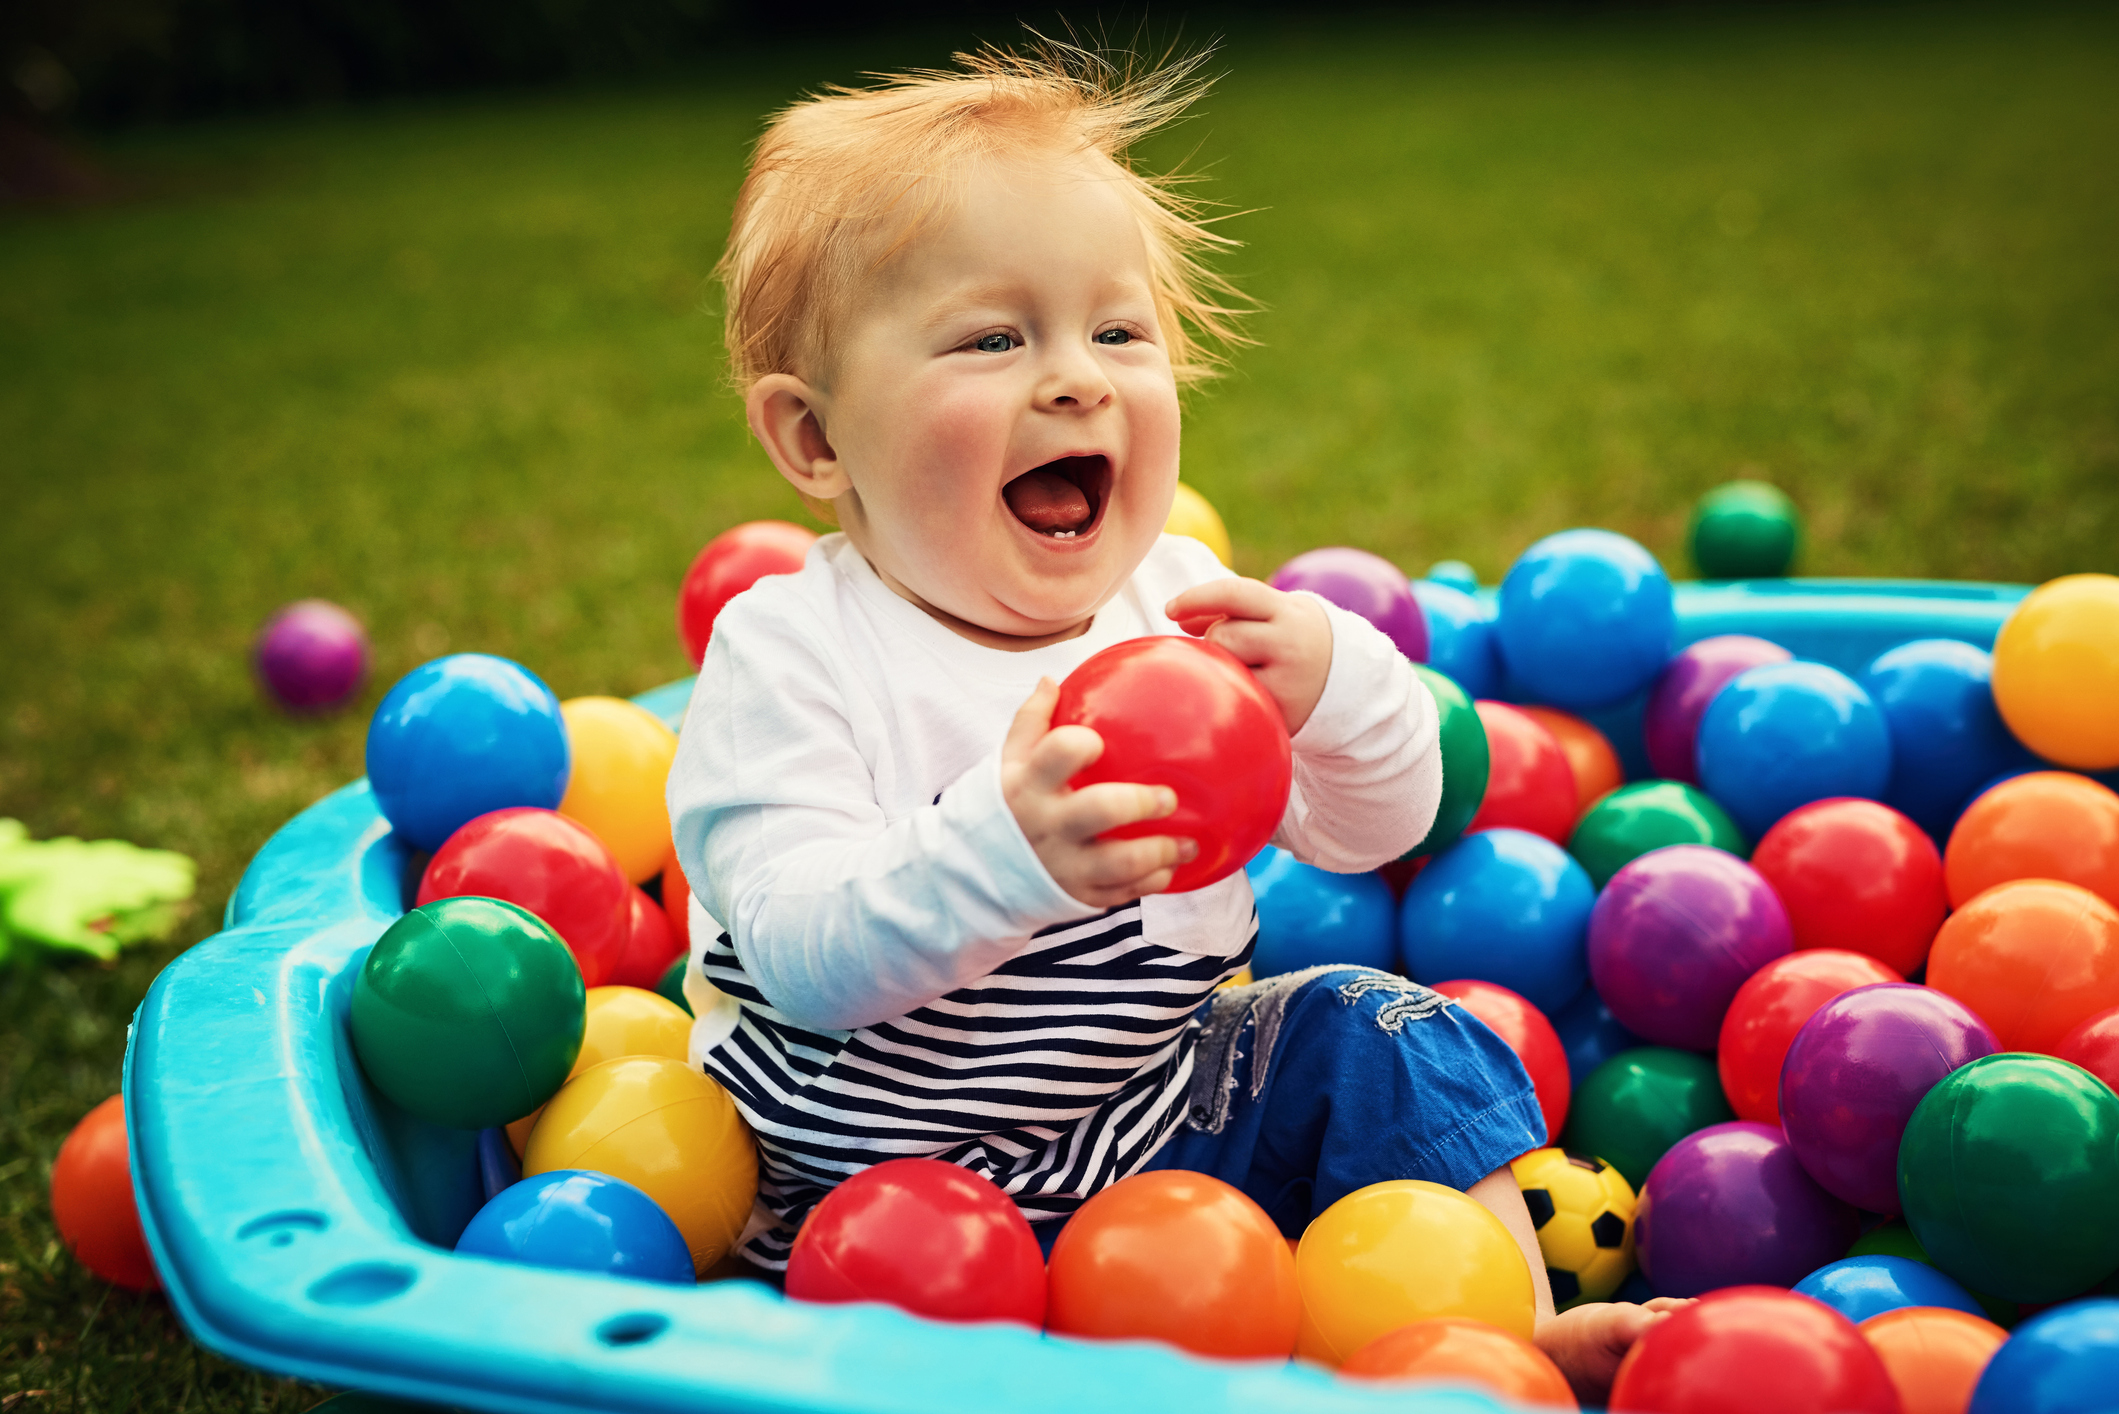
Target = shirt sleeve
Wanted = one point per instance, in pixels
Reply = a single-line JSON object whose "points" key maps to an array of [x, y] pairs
{"points": [[841, 917], [1368, 762]]}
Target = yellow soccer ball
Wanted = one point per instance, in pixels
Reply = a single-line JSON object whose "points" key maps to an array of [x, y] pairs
{"points": [[1190, 514], [1583, 1210]]}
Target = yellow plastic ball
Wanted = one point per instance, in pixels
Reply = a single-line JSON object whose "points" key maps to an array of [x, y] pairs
{"points": [[622, 755], [2056, 671], [668, 1130], [1583, 1210], [1393, 1253], [622, 1021], [1190, 514]]}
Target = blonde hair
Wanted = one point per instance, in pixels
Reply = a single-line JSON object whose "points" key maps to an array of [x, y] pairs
{"points": [[841, 181]]}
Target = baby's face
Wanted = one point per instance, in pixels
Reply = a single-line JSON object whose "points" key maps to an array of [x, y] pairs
{"points": [[1003, 405]]}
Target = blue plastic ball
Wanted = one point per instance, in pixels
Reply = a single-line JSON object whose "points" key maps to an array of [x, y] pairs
{"points": [[460, 736], [2062, 1361], [1937, 698], [1308, 917], [1460, 638], [1586, 619], [498, 1168], [1784, 734], [1454, 573], [1590, 1034], [1503, 906], [584, 1221], [1861, 1287]]}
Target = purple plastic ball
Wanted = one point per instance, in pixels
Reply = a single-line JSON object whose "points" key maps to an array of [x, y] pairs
{"points": [[1671, 723], [312, 656], [1731, 1205], [1674, 934], [1854, 1074], [1365, 584]]}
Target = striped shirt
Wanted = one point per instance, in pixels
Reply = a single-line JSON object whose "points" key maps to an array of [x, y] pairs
{"points": [[899, 976]]}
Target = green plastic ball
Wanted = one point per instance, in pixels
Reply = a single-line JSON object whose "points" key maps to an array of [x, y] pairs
{"points": [[1631, 1109], [1744, 530], [1646, 815], [2009, 1173], [672, 985], [1895, 1239], [1465, 762], [468, 1012]]}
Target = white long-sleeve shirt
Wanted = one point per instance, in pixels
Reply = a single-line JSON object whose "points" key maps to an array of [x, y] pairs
{"points": [[836, 802]]}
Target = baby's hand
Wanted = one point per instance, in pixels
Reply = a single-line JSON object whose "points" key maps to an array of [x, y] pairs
{"points": [[1062, 825], [1588, 1342], [1284, 638]]}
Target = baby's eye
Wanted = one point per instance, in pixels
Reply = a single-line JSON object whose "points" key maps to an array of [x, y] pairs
{"points": [[1114, 336], [994, 343]]}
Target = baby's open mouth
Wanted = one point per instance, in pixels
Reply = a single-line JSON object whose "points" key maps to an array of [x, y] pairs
{"points": [[1060, 498]]}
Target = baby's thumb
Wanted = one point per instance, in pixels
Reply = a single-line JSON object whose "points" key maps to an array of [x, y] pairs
{"points": [[1032, 720]]}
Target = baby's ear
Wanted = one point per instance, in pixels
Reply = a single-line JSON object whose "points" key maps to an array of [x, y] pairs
{"points": [[787, 417]]}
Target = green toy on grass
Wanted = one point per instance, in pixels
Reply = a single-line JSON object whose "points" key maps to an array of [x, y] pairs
{"points": [[86, 896]]}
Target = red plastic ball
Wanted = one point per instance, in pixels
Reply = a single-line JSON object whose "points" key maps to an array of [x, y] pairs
{"points": [[1769, 1009], [677, 904], [925, 1236], [549, 864], [92, 1200], [1753, 1350], [2094, 1045], [1177, 1257], [650, 946], [1183, 713], [1529, 784], [732, 562], [1857, 876], [1529, 1034]]}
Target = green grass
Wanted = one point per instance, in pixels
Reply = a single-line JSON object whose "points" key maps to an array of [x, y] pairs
{"points": [[453, 366]]}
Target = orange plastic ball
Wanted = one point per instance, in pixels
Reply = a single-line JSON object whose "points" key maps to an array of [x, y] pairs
{"points": [[2034, 958], [677, 903], [1935, 1355], [1177, 1257], [2046, 825], [1460, 1351], [1588, 751], [92, 1202]]}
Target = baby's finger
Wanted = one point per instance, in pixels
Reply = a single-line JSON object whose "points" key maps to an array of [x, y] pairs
{"points": [[1060, 753], [1094, 809], [1131, 865], [1254, 644], [1032, 721], [1198, 624], [1233, 596]]}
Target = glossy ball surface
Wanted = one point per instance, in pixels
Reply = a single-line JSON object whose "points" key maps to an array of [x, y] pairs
{"points": [[1502, 906], [1780, 736], [1364, 584], [1935, 1354], [1529, 785], [1308, 917], [1861, 1287], [1586, 618], [619, 1021], [1182, 713], [1731, 1205], [676, 903], [468, 1012], [1528, 1034], [1648, 815], [1768, 1011], [462, 736], [1854, 1075], [1987, 1138], [1456, 574], [2056, 671], [1675, 934], [2094, 1045], [1466, 762], [1194, 515], [1583, 1210], [1590, 758], [2040, 825], [92, 1200], [1460, 1351], [730, 563], [622, 754], [1744, 530], [1177, 1257], [312, 656], [580, 1221], [1753, 1350], [1947, 737], [2034, 958], [2064, 1361], [924, 1236], [650, 945], [1635, 1106], [554, 867], [1856, 876], [1406, 1250], [1460, 637], [1670, 723]]}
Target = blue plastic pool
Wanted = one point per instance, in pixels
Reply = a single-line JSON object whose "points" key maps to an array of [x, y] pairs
{"points": [[302, 1225]]}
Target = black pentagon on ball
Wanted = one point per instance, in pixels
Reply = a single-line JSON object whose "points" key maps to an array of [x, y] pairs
{"points": [[1584, 1161], [1540, 1204], [1565, 1286], [1609, 1230]]}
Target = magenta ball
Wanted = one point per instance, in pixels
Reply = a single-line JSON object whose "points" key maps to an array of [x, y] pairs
{"points": [[1731, 1205], [1688, 682], [1674, 934], [312, 656], [1365, 584], [1856, 1070]]}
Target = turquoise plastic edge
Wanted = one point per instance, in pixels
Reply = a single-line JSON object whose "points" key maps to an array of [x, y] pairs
{"points": [[285, 1241]]}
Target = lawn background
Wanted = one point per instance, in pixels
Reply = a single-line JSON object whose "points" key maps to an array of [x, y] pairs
{"points": [[455, 365]]}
